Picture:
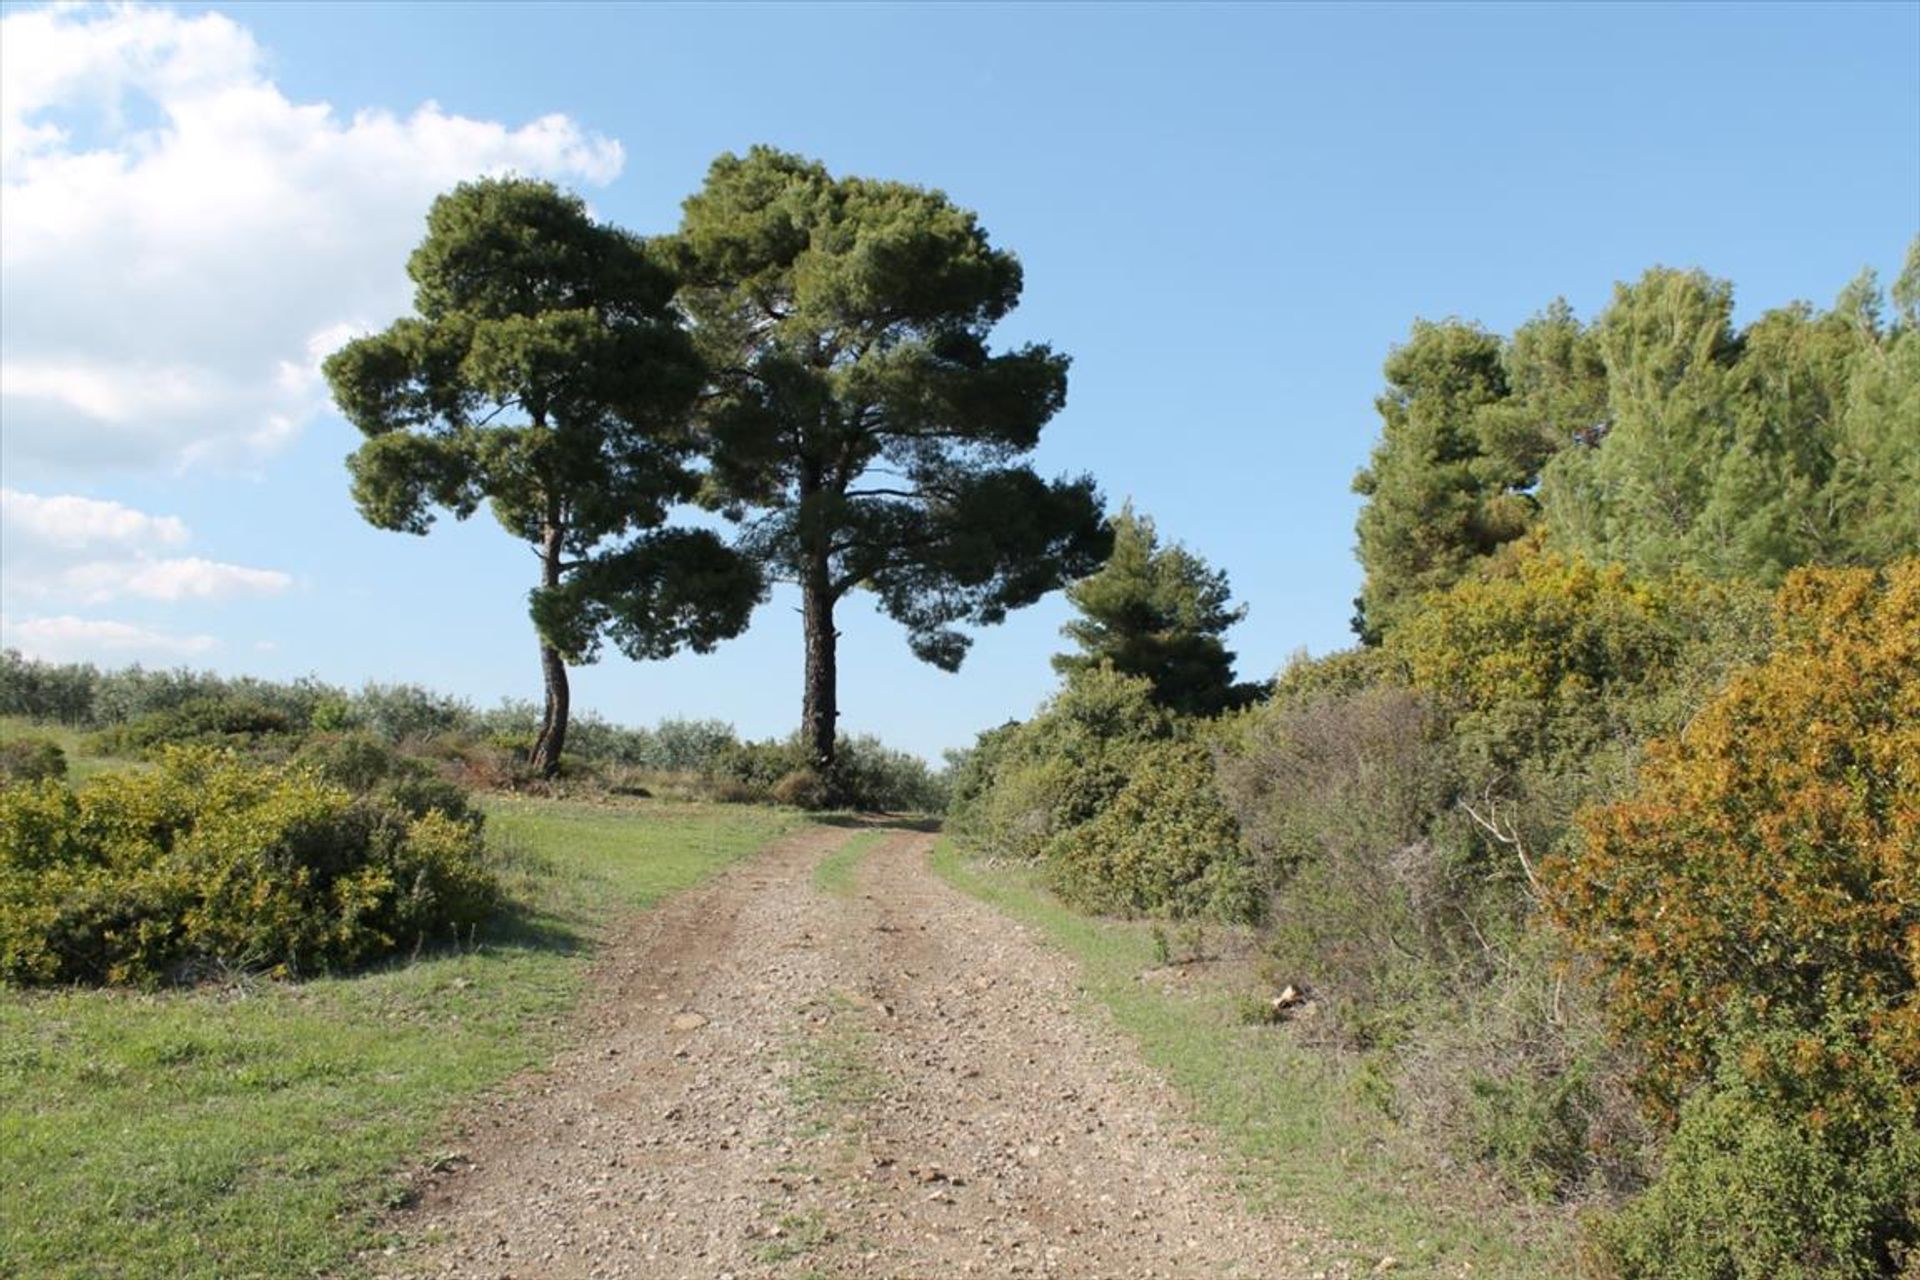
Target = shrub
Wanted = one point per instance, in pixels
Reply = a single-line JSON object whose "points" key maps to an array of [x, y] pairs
{"points": [[690, 746], [1164, 845], [31, 757], [367, 766], [881, 778], [1551, 673], [1382, 895], [1064, 766], [139, 877], [408, 712], [217, 720], [1759, 1187], [1754, 908], [1767, 868], [803, 789]]}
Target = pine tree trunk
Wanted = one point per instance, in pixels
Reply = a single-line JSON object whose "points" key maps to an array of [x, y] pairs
{"points": [[820, 712], [544, 759]]}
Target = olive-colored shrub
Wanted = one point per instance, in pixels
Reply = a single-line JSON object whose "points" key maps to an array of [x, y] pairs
{"points": [[31, 757], [143, 877], [1164, 845], [1760, 1185], [221, 720], [1029, 783]]}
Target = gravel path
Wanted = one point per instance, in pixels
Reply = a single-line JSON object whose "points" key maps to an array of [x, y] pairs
{"points": [[773, 1081]]}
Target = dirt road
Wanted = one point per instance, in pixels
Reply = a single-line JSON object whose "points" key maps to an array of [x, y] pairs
{"points": [[775, 1081]]}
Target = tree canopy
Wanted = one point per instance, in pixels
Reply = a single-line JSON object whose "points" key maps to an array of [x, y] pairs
{"points": [[1659, 437], [546, 374], [1159, 613], [863, 431]]}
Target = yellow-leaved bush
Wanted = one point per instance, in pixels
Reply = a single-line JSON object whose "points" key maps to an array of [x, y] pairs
{"points": [[207, 860], [1754, 909], [1766, 872]]}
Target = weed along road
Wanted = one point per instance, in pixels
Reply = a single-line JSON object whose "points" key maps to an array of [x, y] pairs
{"points": [[828, 1062]]}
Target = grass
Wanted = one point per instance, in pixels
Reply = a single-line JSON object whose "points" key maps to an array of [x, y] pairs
{"points": [[837, 1081], [1302, 1141], [800, 1234], [834, 874], [81, 762], [258, 1130]]}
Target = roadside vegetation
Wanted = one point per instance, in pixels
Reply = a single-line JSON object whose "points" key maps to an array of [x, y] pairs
{"points": [[1592, 867], [201, 1117]]}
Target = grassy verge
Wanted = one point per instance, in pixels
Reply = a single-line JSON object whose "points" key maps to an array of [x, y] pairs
{"points": [[834, 874], [1303, 1143], [81, 762], [256, 1129]]}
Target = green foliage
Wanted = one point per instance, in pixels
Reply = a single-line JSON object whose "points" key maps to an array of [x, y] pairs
{"points": [[1023, 785], [1160, 613], [1658, 438], [1550, 673], [62, 693], [1115, 795], [139, 877], [1427, 515], [368, 766], [31, 757], [869, 775], [1757, 1187], [1380, 896], [546, 374], [1164, 845], [1741, 455], [858, 415], [223, 720]]}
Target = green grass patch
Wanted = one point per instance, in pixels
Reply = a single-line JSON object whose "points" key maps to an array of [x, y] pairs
{"points": [[837, 1081], [81, 762], [1303, 1141], [834, 874], [800, 1234], [258, 1129]]}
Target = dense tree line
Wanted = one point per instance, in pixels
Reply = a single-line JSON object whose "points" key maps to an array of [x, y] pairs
{"points": [[1657, 437]]}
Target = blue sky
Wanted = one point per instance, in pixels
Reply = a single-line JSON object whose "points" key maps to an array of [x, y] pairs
{"points": [[1228, 215]]}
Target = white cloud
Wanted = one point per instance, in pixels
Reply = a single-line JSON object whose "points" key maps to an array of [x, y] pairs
{"points": [[103, 581], [183, 244], [89, 551], [73, 523], [67, 638]]}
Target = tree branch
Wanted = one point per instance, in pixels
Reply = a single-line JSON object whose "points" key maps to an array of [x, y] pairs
{"points": [[1507, 834]]}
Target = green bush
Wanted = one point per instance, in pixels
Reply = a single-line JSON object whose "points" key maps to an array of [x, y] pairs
{"points": [[1026, 784], [868, 775], [367, 766], [1756, 1187], [1165, 845], [142, 877], [31, 757], [220, 721]]}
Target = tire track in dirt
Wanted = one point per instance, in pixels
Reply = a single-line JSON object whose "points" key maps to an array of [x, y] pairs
{"points": [[771, 1081]]}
